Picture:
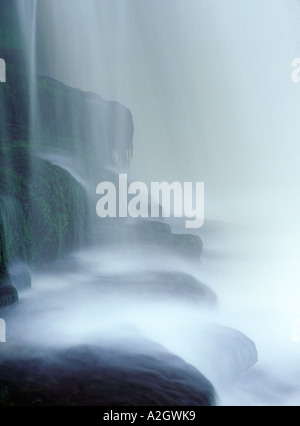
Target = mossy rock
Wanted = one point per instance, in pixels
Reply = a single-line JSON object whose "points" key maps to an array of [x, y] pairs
{"points": [[54, 210], [20, 277], [153, 233]]}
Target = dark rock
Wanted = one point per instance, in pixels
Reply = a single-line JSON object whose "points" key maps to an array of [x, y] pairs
{"points": [[93, 376]]}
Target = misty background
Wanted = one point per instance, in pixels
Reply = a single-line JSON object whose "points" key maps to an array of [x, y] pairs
{"points": [[209, 86]]}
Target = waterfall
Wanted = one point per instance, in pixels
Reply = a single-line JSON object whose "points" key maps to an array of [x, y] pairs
{"points": [[174, 92]]}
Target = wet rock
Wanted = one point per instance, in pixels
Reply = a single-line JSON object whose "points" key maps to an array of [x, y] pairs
{"points": [[101, 376]]}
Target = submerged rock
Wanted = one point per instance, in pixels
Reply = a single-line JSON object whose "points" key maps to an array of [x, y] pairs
{"points": [[101, 376], [151, 233], [231, 352], [20, 277]]}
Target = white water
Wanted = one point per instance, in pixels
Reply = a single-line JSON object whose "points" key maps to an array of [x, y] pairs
{"points": [[28, 19], [65, 162], [210, 90]]}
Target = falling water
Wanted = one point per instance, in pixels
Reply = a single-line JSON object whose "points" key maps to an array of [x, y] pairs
{"points": [[27, 17], [200, 82]]}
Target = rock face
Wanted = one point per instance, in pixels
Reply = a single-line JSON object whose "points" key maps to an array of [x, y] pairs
{"points": [[93, 376], [8, 294]]}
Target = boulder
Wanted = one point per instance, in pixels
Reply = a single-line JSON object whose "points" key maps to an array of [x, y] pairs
{"points": [[101, 376]]}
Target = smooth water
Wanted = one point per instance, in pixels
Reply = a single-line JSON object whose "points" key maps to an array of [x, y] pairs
{"points": [[210, 90], [104, 297]]}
